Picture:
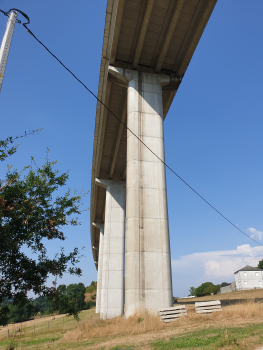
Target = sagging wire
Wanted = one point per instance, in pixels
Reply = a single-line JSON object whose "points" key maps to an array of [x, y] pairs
{"points": [[167, 166]]}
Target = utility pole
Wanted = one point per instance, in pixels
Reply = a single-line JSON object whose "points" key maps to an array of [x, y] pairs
{"points": [[6, 43]]}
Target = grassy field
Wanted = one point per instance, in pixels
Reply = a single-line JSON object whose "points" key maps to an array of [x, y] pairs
{"points": [[236, 327], [243, 294]]}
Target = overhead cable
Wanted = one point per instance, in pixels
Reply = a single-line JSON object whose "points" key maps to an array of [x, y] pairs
{"points": [[168, 167]]}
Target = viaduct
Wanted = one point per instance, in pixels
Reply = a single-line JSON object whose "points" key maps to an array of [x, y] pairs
{"points": [[147, 47]]}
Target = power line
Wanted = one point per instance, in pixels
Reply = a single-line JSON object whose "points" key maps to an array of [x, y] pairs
{"points": [[30, 32]]}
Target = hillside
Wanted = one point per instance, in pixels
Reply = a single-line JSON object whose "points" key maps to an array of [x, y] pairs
{"points": [[236, 327], [90, 292], [243, 294]]}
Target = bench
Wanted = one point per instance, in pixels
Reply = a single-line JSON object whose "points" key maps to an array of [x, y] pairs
{"points": [[172, 313], [205, 307]]}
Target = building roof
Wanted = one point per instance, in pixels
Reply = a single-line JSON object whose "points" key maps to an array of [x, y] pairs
{"points": [[249, 268]]}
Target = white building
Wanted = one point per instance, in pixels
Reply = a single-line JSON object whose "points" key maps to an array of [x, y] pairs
{"points": [[249, 278]]}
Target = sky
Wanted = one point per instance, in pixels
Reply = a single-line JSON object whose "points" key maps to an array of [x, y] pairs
{"points": [[213, 130]]}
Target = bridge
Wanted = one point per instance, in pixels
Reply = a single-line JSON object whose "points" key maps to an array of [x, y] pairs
{"points": [[147, 47]]}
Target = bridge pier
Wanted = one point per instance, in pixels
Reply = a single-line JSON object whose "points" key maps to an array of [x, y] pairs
{"points": [[139, 37], [112, 275], [100, 263], [148, 281]]}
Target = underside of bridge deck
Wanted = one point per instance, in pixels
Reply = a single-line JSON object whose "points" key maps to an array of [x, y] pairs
{"points": [[154, 36]]}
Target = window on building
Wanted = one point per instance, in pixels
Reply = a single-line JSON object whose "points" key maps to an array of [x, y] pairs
{"points": [[257, 274], [245, 274], [259, 282], [245, 282]]}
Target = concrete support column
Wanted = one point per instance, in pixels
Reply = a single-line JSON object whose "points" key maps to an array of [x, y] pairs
{"points": [[100, 262], [148, 281], [112, 282]]}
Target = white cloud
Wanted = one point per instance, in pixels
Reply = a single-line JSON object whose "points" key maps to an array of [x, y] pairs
{"points": [[215, 266], [255, 233]]}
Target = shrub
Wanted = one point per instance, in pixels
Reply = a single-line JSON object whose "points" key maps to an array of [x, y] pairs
{"points": [[206, 289], [90, 304], [92, 288]]}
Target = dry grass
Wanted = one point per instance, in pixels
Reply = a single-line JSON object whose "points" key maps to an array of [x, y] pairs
{"points": [[90, 296], [143, 323], [48, 328], [140, 323], [230, 315], [243, 294], [141, 330]]}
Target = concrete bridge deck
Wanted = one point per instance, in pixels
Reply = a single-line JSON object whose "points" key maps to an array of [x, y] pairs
{"points": [[150, 36]]}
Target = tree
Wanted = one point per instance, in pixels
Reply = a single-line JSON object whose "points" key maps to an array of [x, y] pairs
{"points": [[41, 304], [20, 313], [30, 213], [206, 289], [192, 291], [69, 300], [260, 264]]}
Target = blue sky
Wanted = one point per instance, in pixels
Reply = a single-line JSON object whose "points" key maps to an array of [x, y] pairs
{"points": [[213, 131]]}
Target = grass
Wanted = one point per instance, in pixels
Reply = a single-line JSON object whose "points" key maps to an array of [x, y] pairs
{"points": [[39, 334], [236, 327], [243, 294], [144, 322], [245, 337]]}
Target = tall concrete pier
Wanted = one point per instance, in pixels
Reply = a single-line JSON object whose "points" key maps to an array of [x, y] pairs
{"points": [[148, 282], [100, 263], [147, 47], [112, 270]]}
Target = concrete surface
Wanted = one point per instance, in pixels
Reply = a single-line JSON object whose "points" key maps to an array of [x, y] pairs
{"points": [[100, 263], [148, 282], [112, 282]]}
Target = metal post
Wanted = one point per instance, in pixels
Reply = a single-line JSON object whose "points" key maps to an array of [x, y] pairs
{"points": [[6, 43]]}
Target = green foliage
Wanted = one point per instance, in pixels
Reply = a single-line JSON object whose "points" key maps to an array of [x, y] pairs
{"points": [[21, 313], [4, 310], [92, 288], [68, 300], [260, 264], [7, 150], [192, 291], [41, 304], [14, 313], [89, 304], [206, 289], [30, 214]]}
